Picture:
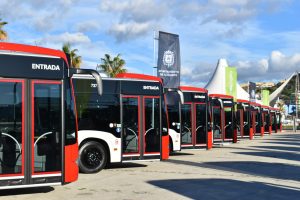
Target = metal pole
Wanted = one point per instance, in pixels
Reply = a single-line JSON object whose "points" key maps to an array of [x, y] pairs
{"points": [[154, 52], [296, 99], [153, 73]]}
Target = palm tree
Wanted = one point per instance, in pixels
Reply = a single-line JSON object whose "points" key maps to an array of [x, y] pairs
{"points": [[3, 33], [280, 105], [110, 66], [75, 59]]}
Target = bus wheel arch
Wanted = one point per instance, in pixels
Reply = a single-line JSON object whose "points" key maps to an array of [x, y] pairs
{"points": [[94, 155], [170, 145]]}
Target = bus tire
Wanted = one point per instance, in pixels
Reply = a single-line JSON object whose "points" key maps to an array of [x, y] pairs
{"points": [[92, 157]]}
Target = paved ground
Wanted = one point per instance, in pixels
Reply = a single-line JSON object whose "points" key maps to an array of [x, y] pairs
{"points": [[264, 168]]}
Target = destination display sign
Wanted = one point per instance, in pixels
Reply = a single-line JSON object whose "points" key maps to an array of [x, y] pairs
{"points": [[34, 67]]}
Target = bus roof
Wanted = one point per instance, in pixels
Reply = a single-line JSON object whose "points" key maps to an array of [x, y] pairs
{"points": [[221, 96], [192, 89], [22, 48], [242, 101], [139, 77]]}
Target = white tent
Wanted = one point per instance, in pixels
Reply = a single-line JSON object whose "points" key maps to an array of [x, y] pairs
{"points": [[241, 93], [216, 84]]}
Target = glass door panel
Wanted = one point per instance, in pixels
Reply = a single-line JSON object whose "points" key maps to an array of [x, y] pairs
{"points": [[130, 117], [11, 128], [186, 116], [228, 123], [46, 127], [217, 129], [200, 123], [151, 125]]}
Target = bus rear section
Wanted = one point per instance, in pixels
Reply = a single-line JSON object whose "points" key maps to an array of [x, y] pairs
{"points": [[128, 122], [223, 123], [38, 133], [243, 119]]}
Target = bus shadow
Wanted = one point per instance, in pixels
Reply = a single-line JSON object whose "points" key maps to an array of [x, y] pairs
{"points": [[24, 191], [282, 148], [283, 143], [262, 169], [272, 154], [124, 165], [180, 154], [226, 189], [296, 141]]}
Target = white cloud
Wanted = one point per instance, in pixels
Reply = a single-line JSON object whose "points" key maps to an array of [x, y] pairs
{"points": [[279, 62], [277, 66], [129, 30], [230, 3], [87, 26], [135, 10], [40, 15], [72, 38]]}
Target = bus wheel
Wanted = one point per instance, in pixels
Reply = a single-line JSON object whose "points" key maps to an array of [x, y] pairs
{"points": [[92, 157]]}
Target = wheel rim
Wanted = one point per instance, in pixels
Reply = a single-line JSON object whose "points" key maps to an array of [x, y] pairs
{"points": [[92, 157]]}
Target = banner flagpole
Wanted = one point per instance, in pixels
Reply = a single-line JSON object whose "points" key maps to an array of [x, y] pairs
{"points": [[154, 54]]}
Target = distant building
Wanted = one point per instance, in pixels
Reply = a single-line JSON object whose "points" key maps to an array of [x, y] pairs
{"points": [[259, 85]]}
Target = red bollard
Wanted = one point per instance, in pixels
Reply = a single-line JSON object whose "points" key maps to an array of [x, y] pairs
{"points": [[209, 140], [251, 134]]}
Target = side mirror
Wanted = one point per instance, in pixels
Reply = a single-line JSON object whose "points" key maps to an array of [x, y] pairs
{"points": [[92, 72]]}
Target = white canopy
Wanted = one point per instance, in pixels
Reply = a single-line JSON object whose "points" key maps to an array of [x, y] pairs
{"points": [[216, 84], [277, 92], [241, 93]]}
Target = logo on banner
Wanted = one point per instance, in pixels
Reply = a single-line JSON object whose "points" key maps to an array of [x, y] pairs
{"points": [[168, 58], [252, 94]]}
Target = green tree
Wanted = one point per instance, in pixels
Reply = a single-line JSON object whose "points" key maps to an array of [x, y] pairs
{"points": [[75, 59], [112, 66], [280, 105], [3, 33]]}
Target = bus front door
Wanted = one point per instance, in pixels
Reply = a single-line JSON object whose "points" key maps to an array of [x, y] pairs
{"points": [[186, 128], [46, 131], [141, 136], [200, 124], [30, 132], [217, 124]]}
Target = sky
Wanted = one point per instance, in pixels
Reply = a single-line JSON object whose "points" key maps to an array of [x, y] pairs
{"points": [[259, 37]]}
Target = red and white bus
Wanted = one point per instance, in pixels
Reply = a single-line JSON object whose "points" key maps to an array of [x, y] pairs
{"points": [[256, 119], [275, 119], [128, 122], [266, 118], [243, 119], [222, 115], [38, 127], [188, 118]]}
